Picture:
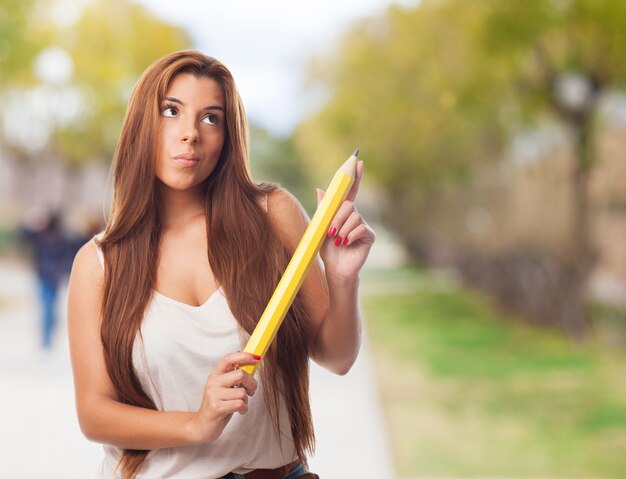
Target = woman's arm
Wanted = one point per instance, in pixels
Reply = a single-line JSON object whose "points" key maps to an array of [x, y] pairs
{"points": [[102, 417], [330, 289]]}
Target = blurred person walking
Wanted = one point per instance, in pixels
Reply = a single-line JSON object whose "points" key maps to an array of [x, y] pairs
{"points": [[52, 254]]}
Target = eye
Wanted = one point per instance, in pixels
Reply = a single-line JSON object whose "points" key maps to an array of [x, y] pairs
{"points": [[211, 119], [169, 111]]}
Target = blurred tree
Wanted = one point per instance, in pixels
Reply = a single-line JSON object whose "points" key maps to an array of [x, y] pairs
{"points": [[560, 57], [407, 89], [16, 49]]}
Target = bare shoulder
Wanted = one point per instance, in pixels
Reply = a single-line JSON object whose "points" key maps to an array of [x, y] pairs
{"points": [[86, 280], [87, 264], [286, 215]]}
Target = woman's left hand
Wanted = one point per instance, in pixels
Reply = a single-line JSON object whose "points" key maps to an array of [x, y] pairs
{"points": [[349, 237]]}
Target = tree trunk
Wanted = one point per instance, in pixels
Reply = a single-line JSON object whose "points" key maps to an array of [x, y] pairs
{"points": [[576, 311]]}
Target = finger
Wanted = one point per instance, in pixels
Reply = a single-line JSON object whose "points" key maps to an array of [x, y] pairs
{"points": [[319, 194], [343, 213], [229, 380], [362, 232], [230, 407], [249, 384], [235, 379], [232, 360], [244, 381], [349, 225], [233, 394], [357, 182]]}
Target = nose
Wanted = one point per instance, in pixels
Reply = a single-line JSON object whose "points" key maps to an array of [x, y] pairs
{"points": [[189, 132]]}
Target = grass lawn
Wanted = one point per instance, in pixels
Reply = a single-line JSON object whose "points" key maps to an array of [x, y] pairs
{"points": [[468, 392]]}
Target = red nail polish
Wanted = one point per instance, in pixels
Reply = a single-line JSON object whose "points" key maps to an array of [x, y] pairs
{"points": [[345, 241], [332, 231], [257, 357], [338, 241]]}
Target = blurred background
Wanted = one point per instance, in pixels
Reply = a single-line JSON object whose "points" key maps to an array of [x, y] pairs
{"points": [[494, 139]]}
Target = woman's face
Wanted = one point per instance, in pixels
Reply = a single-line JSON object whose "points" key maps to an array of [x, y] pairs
{"points": [[191, 132]]}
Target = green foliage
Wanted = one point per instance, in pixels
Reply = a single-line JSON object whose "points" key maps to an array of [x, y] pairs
{"points": [[537, 41], [409, 90], [396, 92], [16, 48], [468, 393]]}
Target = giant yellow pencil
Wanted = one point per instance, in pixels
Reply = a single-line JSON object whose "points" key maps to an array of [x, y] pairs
{"points": [[302, 258]]}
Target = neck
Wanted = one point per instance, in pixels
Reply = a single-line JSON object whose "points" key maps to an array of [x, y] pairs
{"points": [[179, 208]]}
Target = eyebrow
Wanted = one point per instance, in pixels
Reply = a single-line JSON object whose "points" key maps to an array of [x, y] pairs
{"points": [[176, 100]]}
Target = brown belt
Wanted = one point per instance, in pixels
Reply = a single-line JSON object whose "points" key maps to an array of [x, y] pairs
{"points": [[267, 473]]}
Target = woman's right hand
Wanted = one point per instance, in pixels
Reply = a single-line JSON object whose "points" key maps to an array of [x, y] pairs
{"points": [[226, 392]]}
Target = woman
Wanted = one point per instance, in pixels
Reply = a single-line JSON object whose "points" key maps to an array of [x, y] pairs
{"points": [[162, 301]]}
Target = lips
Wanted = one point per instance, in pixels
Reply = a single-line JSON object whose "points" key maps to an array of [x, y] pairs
{"points": [[186, 160]]}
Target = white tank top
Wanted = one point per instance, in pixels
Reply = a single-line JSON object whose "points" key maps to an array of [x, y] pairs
{"points": [[177, 349]]}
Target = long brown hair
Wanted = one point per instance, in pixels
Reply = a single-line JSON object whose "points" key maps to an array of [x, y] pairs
{"points": [[245, 254]]}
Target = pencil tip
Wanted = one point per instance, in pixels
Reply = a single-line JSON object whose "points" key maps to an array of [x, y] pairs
{"points": [[356, 152]]}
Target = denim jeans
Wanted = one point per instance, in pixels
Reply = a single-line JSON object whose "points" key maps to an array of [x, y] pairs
{"points": [[297, 472], [48, 292]]}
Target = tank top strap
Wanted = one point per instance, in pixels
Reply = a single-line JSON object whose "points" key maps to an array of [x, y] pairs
{"points": [[95, 240]]}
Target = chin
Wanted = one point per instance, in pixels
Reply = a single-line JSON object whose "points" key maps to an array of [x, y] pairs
{"points": [[181, 185]]}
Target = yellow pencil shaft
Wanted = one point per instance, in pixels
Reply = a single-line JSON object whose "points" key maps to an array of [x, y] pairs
{"points": [[296, 270]]}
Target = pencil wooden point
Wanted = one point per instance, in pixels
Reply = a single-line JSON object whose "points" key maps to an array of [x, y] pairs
{"points": [[356, 153], [349, 167]]}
